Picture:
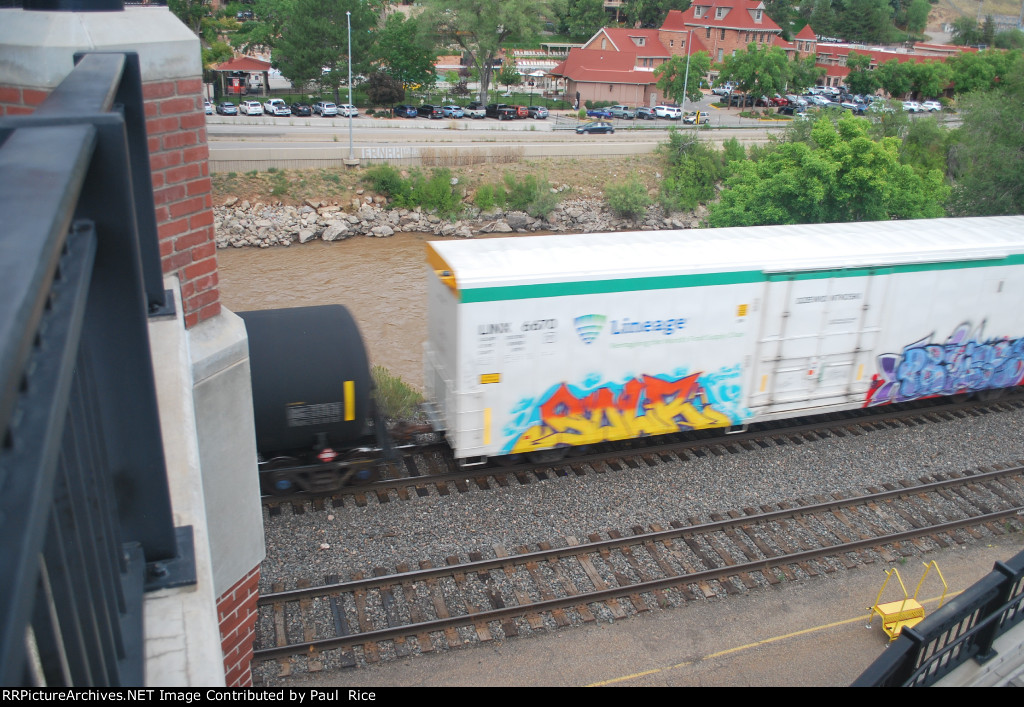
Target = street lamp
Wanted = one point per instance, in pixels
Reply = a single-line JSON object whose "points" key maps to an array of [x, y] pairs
{"points": [[348, 20], [686, 76]]}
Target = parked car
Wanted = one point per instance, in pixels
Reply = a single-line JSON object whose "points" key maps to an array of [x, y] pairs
{"points": [[244, 15], [670, 112], [624, 112], [429, 111], [325, 109], [207, 106], [452, 111], [476, 109], [698, 118], [250, 108], [725, 89], [404, 111], [347, 110], [301, 109], [501, 111], [778, 100], [522, 111], [538, 112], [227, 108], [276, 107], [645, 113], [913, 107], [931, 106], [791, 109], [599, 113], [796, 100], [598, 126]]}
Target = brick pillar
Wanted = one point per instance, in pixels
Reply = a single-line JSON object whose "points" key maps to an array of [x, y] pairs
{"points": [[176, 124], [236, 610]]}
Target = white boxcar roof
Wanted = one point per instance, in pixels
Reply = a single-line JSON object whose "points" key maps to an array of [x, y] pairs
{"points": [[534, 260]]}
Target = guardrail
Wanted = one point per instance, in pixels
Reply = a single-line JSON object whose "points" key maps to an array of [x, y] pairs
{"points": [[965, 628], [85, 513]]}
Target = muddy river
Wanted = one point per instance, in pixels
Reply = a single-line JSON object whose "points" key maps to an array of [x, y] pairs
{"points": [[383, 282]]}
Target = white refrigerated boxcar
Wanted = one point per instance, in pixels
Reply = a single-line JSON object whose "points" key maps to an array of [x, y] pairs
{"points": [[545, 342]]}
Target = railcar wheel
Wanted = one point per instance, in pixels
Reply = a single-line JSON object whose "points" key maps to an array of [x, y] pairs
{"points": [[277, 476]]}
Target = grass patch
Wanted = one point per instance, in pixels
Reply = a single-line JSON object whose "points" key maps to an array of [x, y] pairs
{"points": [[396, 399]]}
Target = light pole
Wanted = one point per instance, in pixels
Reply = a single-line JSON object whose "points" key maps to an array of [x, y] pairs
{"points": [[686, 76], [348, 20]]}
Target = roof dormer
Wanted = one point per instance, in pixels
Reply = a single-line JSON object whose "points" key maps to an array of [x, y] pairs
{"points": [[698, 10], [721, 12], [639, 41]]}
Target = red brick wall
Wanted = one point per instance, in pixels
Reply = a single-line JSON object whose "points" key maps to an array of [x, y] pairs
{"points": [[176, 126], [236, 611]]}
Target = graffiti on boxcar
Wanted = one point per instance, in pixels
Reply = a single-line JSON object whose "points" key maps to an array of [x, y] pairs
{"points": [[642, 405], [964, 363]]}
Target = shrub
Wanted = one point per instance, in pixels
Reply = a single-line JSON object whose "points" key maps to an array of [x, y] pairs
{"points": [[627, 198], [531, 195], [693, 170], [434, 193], [396, 399], [489, 196], [387, 180]]}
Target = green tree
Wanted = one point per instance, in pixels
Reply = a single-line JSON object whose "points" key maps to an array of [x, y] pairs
{"points": [[509, 76], [841, 176], [917, 16], [929, 78], [988, 31], [672, 76], [404, 50], [1010, 39], [313, 46], [760, 70], [263, 31], [804, 73], [925, 145], [978, 71], [991, 151], [650, 13], [190, 12], [823, 18], [861, 79], [580, 19], [894, 77], [866, 21], [481, 27], [965, 31]]}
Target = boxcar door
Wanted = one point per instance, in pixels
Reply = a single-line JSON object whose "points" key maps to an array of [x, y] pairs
{"points": [[818, 334]]}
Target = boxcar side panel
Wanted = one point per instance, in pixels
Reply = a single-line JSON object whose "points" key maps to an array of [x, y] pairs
{"points": [[574, 370], [948, 331]]}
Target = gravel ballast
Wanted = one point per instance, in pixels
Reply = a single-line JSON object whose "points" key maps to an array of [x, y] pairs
{"points": [[351, 539]]}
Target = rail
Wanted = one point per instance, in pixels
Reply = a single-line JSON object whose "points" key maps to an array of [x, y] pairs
{"points": [[85, 513], [965, 628]]}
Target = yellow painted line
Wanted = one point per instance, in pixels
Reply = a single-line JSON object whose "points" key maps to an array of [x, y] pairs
{"points": [[774, 639]]}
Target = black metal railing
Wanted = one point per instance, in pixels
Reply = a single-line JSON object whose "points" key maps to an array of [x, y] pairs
{"points": [[85, 512], [965, 628]]}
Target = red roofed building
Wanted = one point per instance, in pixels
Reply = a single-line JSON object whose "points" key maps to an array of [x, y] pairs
{"points": [[242, 75], [606, 75], [724, 26]]}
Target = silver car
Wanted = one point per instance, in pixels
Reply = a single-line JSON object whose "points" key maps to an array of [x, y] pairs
{"points": [[325, 108]]}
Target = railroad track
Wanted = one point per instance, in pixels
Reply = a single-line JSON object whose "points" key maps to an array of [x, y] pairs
{"points": [[569, 581], [431, 468]]}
